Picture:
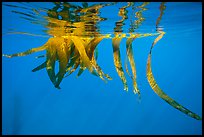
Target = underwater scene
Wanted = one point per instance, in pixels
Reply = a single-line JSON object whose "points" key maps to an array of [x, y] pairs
{"points": [[101, 68]]}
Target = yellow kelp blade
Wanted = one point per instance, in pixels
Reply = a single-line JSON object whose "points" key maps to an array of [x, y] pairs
{"points": [[117, 61], [72, 62], [76, 64], [157, 39], [30, 51], [90, 45], [63, 57], [126, 67], [51, 58], [163, 95], [85, 42], [157, 89], [132, 63], [74, 56], [69, 48], [78, 42], [99, 71], [90, 49]]}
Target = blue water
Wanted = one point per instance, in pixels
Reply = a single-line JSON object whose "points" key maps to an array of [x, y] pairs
{"points": [[87, 105]]}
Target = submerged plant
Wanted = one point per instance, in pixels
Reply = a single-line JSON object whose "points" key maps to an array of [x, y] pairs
{"points": [[74, 41]]}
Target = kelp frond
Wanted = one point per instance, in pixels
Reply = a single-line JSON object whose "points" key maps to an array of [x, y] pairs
{"points": [[158, 90], [75, 39], [117, 61], [30, 51], [132, 63]]}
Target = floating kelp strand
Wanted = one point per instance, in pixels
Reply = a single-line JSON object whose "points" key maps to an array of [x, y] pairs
{"points": [[129, 52], [30, 51], [126, 67], [117, 61], [74, 35], [164, 96], [50, 60], [90, 48], [63, 53], [158, 90]]}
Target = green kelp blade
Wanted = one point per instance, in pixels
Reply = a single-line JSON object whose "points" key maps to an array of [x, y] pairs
{"points": [[40, 56], [81, 70], [81, 48], [117, 61], [63, 57], [41, 66], [163, 95], [72, 62], [132, 63], [68, 49], [96, 53], [50, 62], [158, 90], [76, 65]]}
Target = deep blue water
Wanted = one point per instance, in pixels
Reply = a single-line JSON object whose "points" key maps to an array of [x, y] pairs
{"points": [[87, 105]]}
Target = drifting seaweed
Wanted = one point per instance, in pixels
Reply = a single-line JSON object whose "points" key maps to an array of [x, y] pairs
{"points": [[75, 38]]}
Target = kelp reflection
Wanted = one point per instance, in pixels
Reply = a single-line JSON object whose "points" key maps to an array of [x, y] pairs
{"points": [[75, 35]]}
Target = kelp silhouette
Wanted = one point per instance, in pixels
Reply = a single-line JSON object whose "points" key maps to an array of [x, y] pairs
{"points": [[75, 38]]}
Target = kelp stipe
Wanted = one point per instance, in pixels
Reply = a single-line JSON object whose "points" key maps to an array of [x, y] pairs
{"points": [[75, 39]]}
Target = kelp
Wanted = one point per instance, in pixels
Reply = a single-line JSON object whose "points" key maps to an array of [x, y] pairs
{"points": [[158, 90], [117, 61], [132, 63], [75, 39]]}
